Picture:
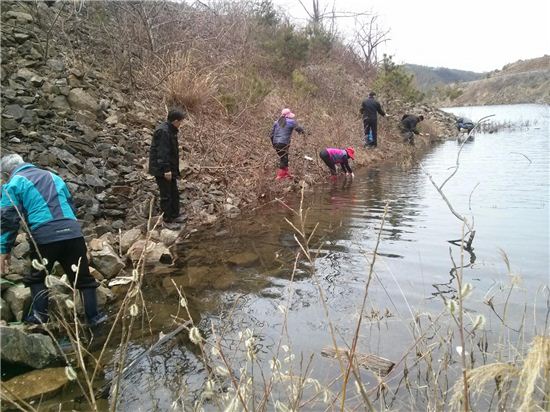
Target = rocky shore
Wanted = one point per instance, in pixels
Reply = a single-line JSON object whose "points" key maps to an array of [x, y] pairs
{"points": [[78, 121]]}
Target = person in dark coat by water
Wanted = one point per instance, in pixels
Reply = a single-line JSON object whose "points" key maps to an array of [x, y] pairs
{"points": [[43, 200], [332, 156], [370, 109], [408, 127], [164, 166], [463, 123], [280, 139]]}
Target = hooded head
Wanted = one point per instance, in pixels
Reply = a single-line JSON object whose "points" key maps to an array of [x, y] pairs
{"points": [[351, 152], [287, 113]]}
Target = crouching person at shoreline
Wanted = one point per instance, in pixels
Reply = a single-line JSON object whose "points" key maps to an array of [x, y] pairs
{"points": [[332, 156], [43, 200]]}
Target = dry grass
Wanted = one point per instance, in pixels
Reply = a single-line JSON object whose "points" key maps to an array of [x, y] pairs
{"points": [[189, 88], [530, 378]]}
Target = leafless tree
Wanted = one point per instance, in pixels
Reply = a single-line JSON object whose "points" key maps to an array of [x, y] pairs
{"points": [[368, 36]]}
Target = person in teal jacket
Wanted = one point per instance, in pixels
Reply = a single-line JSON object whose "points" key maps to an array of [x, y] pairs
{"points": [[43, 200]]}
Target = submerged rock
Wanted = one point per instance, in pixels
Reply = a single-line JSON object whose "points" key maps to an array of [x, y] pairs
{"points": [[225, 281], [41, 384], [243, 259]]}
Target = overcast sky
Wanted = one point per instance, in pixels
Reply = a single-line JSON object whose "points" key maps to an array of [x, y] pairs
{"points": [[476, 35]]}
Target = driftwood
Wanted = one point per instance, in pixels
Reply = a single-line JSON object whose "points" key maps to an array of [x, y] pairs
{"points": [[377, 364]]}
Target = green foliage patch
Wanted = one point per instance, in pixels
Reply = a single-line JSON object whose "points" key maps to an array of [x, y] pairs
{"points": [[394, 82]]}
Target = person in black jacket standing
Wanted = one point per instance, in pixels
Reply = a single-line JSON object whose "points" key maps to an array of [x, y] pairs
{"points": [[370, 108], [164, 165]]}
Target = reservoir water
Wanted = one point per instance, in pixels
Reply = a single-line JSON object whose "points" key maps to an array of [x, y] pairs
{"points": [[246, 281]]}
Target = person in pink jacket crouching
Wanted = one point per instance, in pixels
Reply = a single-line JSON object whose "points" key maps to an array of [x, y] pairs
{"points": [[333, 156]]}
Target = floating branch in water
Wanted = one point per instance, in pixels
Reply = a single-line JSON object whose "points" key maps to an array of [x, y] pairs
{"points": [[521, 154]]}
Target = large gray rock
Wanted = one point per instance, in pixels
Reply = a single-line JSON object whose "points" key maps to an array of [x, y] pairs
{"points": [[81, 100], [56, 65], [14, 111], [231, 211], [25, 74], [9, 124], [34, 349], [155, 253], [21, 250], [5, 311], [169, 237], [106, 261], [63, 157], [21, 267], [60, 103], [19, 15], [18, 299], [94, 181], [128, 238]]}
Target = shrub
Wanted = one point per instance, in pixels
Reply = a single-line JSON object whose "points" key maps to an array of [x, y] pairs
{"points": [[394, 82], [265, 13], [257, 87], [229, 102], [320, 40], [302, 84], [453, 92], [189, 88], [288, 48]]}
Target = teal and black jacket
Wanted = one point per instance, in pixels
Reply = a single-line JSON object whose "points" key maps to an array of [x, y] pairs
{"points": [[43, 200]]}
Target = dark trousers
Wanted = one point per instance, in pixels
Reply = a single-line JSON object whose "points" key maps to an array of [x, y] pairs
{"points": [[169, 198], [67, 253], [323, 154], [282, 152], [370, 126]]}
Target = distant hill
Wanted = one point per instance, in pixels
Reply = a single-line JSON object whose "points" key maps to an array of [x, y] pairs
{"points": [[524, 81], [427, 78]]}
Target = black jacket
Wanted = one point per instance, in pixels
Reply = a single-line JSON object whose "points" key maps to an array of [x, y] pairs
{"points": [[409, 122], [164, 153], [370, 107]]}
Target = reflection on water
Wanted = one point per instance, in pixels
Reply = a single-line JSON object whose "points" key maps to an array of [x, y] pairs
{"points": [[239, 277]]}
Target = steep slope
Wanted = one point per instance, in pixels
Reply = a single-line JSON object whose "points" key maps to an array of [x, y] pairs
{"points": [[83, 87]]}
